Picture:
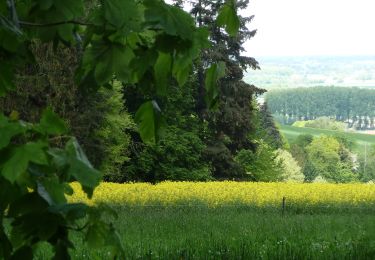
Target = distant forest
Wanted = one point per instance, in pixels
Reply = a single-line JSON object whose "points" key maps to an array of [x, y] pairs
{"points": [[355, 106]]}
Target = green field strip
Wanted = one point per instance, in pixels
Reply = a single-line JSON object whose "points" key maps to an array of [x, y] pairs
{"points": [[292, 132]]}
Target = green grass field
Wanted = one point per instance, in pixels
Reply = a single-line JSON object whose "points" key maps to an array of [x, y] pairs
{"points": [[238, 221], [292, 132], [236, 233]]}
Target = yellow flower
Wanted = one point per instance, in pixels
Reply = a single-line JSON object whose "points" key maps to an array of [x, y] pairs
{"points": [[215, 194]]}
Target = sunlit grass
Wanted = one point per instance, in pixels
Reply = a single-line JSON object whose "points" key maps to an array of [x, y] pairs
{"points": [[231, 220]]}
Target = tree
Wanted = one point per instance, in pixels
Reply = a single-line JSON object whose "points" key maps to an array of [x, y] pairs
{"points": [[89, 115], [180, 153], [367, 164], [272, 133], [178, 156], [262, 164], [329, 159], [231, 123], [144, 42], [291, 170], [298, 150]]}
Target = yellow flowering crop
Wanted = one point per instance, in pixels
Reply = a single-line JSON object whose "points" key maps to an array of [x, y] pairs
{"points": [[214, 194]]}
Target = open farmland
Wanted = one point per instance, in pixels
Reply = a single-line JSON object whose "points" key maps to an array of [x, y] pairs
{"points": [[229, 220], [292, 132], [311, 71]]}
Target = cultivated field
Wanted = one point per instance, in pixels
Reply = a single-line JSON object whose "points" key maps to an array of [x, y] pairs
{"points": [[292, 132], [230, 220], [250, 195]]}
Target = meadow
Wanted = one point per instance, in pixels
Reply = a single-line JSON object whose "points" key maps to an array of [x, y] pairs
{"points": [[231, 220], [292, 132]]}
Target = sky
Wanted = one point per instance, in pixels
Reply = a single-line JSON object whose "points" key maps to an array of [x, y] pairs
{"points": [[311, 27]]}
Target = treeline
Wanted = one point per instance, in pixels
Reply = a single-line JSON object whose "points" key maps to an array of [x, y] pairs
{"points": [[356, 106]]}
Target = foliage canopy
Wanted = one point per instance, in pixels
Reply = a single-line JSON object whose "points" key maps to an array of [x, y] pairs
{"points": [[145, 42]]}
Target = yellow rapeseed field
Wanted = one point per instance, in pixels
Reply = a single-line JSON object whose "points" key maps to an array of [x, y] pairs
{"points": [[228, 193]]}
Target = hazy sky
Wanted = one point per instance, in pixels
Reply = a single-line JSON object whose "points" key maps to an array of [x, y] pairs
{"points": [[312, 27]]}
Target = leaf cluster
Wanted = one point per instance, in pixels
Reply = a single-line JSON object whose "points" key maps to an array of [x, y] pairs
{"points": [[35, 177]]}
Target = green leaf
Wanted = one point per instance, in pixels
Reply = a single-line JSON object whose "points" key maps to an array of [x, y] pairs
{"points": [[200, 41], [81, 169], [8, 130], [15, 166], [45, 11], [59, 157], [69, 9], [52, 191], [19, 161], [72, 211], [150, 121], [114, 244], [45, 4], [114, 60], [171, 19], [181, 70], [213, 74], [183, 60], [162, 69], [66, 32], [36, 153], [51, 124], [8, 193], [75, 151], [36, 226], [141, 64], [27, 204], [100, 234], [96, 235], [122, 14], [74, 163], [228, 18], [88, 177]]}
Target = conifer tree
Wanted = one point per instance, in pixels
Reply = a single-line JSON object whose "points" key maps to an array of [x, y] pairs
{"points": [[267, 123], [232, 122]]}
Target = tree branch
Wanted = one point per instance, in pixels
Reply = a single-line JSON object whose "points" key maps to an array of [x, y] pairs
{"points": [[23, 23]]}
